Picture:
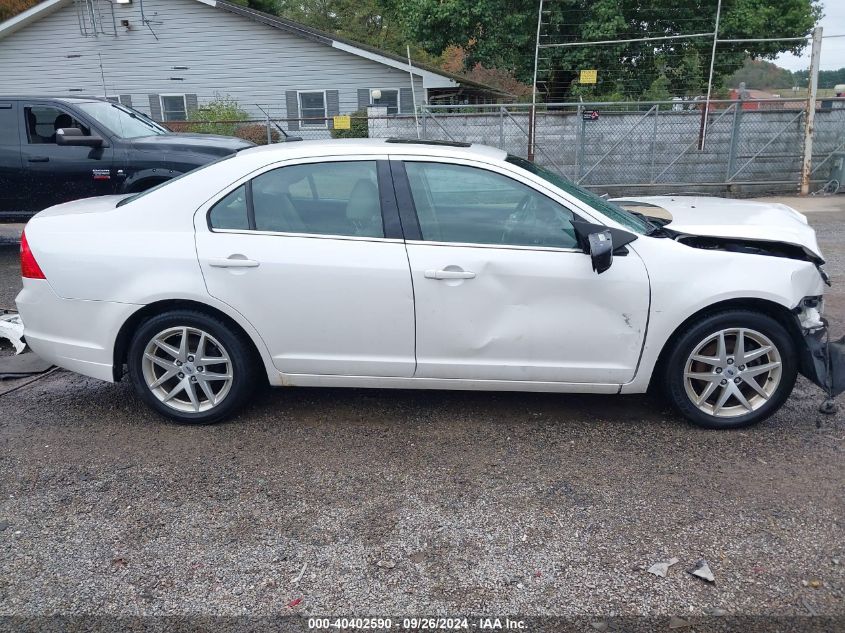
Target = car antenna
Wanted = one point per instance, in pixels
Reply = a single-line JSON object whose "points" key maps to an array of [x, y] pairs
{"points": [[288, 137]]}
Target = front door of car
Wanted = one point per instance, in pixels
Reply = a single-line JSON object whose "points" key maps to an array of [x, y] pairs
{"points": [[311, 254], [503, 292], [54, 173]]}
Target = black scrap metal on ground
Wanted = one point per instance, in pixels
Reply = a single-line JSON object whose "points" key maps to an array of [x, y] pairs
{"points": [[22, 365], [824, 365]]}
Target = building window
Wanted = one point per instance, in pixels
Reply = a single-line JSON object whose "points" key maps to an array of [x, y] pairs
{"points": [[116, 99], [312, 108], [174, 108], [389, 99]]}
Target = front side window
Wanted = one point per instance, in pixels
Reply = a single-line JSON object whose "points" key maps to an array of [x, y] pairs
{"points": [[456, 203], [389, 99], [606, 207], [312, 108], [174, 108], [43, 121], [335, 198]]}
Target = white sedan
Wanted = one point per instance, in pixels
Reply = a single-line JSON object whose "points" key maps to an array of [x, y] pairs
{"points": [[397, 264]]}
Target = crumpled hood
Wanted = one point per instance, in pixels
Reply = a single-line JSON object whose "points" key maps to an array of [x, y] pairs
{"points": [[723, 217]]}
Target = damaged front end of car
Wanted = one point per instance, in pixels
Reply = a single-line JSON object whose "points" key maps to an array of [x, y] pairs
{"points": [[822, 361]]}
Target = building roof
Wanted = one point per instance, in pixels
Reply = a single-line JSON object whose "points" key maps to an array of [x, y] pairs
{"points": [[431, 77]]}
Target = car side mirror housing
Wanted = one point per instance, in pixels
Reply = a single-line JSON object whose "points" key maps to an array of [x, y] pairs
{"points": [[73, 136], [600, 243], [601, 250]]}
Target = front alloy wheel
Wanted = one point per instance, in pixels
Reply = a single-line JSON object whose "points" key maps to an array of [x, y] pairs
{"points": [[732, 372], [191, 366], [731, 369]]}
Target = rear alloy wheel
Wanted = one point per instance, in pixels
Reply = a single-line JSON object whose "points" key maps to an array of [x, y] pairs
{"points": [[731, 370], [190, 367]]}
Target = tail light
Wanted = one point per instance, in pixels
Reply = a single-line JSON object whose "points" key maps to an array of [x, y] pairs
{"points": [[29, 267]]}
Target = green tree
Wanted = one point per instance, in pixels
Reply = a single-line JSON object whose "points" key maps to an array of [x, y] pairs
{"points": [[501, 34], [761, 75]]}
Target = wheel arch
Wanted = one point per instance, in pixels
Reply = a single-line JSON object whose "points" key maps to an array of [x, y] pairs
{"points": [[124, 335], [777, 311], [143, 180]]}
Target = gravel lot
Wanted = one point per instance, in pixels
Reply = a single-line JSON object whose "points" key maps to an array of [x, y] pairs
{"points": [[397, 502]]}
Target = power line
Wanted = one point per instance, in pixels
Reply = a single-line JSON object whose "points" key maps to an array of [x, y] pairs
{"points": [[639, 39]]}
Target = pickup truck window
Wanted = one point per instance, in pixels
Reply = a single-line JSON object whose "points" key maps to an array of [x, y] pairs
{"points": [[120, 120], [43, 121], [8, 124]]}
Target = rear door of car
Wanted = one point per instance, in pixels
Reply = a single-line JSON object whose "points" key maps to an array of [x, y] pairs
{"points": [[11, 173], [54, 173], [311, 253]]}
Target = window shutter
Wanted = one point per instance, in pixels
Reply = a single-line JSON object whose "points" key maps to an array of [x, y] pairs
{"points": [[406, 101], [155, 108], [363, 98], [293, 109], [192, 105], [126, 100], [332, 106]]}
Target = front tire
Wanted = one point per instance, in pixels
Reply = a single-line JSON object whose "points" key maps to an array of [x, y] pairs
{"points": [[191, 367], [731, 369]]}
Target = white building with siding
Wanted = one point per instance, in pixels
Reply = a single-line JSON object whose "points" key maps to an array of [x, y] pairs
{"points": [[169, 57]]}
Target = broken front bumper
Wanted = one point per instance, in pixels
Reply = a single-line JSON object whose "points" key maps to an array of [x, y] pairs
{"points": [[823, 361]]}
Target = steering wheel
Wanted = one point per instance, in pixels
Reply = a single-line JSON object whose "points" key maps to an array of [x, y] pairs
{"points": [[523, 213]]}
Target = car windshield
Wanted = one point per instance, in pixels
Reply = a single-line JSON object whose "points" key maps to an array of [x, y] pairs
{"points": [[606, 207], [120, 120]]}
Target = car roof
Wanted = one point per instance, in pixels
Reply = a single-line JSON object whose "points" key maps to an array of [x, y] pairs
{"points": [[300, 149]]}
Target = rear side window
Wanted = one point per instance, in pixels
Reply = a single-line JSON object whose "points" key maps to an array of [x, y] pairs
{"points": [[231, 212], [334, 198], [456, 203]]}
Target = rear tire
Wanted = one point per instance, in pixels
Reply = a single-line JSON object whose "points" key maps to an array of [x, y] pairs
{"points": [[731, 369], [191, 367]]}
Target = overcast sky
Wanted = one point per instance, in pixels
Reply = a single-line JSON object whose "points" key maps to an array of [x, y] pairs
{"points": [[833, 49]]}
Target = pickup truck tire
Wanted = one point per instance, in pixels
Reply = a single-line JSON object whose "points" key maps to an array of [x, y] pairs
{"points": [[731, 369]]}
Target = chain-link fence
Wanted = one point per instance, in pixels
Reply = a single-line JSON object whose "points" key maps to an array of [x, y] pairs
{"points": [[753, 146]]}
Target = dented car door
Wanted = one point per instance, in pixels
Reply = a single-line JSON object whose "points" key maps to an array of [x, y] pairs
{"points": [[504, 292]]}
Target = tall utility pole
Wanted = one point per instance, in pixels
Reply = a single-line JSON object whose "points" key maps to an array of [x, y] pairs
{"points": [[532, 116], [702, 137], [812, 90]]}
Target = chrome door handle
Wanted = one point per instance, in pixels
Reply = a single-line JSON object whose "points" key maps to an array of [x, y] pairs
{"points": [[449, 274], [232, 262]]}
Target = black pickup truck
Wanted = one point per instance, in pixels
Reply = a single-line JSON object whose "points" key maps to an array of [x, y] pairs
{"points": [[55, 149]]}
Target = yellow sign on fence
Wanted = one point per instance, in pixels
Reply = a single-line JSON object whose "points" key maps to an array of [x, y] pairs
{"points": [[589, 76], [342, 122]]}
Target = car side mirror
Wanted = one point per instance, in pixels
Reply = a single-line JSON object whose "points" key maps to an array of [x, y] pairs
{"points": [[73, 136], [601, 250]]}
